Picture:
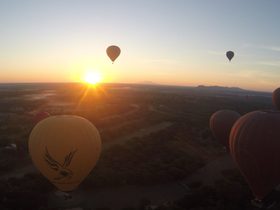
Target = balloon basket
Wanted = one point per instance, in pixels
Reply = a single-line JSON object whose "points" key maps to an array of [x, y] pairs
{"points": [[65, 200], [262, 205], [271, 201], [226, 150]]}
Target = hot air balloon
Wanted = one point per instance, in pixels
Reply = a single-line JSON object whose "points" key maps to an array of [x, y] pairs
{"points": [[113, 52], [229, 55], [221, 123], [276, 98], [65, 148], [255, 146], [40, 116]]}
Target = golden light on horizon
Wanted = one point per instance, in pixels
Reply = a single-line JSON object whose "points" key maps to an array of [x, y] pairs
{"points": [[92, 77], [92, 90]]}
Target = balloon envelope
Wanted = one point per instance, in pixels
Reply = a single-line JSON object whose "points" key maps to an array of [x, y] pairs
{"points": [[221, 123], [113, 52], [65, 149], [230, 55], [276, 98], [255, 146]]}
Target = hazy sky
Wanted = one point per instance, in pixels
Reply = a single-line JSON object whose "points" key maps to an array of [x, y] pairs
{"points": [[180, 42]]}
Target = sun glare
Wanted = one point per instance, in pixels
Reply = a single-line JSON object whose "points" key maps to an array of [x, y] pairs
{"points": [[92, 77]]}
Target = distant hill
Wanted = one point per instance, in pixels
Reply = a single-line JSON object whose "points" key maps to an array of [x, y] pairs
{"points": [[231, 91], [147, 83], [221, 88]]}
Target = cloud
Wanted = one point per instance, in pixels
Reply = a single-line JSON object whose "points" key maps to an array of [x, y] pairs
{"points": [[264, 47], [272, 48], [212, 52], [161, 60], [270, 63]]}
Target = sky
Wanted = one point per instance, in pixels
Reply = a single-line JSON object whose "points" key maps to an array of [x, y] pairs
{"points": [[175, 42]]}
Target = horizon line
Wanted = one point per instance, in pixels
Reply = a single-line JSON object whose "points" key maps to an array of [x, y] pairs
{"points": [[135, 83]]}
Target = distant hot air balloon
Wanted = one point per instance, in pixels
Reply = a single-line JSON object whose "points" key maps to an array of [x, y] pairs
{"points": [[221, 123], [276, 98], [40, 116], [113, 52], [255, 146], [230, 55], [65, 148]]}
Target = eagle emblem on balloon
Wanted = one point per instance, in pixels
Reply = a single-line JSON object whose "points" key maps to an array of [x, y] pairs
{"points": [[63, 172]]}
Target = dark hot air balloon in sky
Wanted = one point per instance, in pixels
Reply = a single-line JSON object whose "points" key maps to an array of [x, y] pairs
{"points": [[229, 55], [221, 123], [113, 52], [255, 146], [276, 98]]}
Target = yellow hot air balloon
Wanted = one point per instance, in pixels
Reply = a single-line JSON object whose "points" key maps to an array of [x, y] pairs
{"points": [[65, 148], [113, 52]]}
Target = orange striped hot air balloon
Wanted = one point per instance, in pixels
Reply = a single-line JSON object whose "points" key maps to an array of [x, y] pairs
{"points": [[255, 146], [221, 123]]}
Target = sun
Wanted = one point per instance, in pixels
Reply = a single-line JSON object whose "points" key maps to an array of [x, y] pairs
{"points": [[92, 77]]}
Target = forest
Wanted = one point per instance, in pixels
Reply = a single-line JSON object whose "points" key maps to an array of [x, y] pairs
{"points": [[155, 139]]}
